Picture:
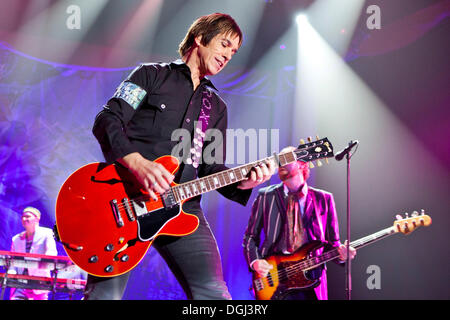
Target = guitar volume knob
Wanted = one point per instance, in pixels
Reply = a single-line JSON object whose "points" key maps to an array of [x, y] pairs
{"points": [[109, 268]]}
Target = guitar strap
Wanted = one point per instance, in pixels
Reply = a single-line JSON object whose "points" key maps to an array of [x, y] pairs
{"points": [[196, 145], [200, 129]]}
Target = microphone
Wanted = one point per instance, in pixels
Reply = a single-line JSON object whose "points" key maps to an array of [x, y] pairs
{"points": [[340, 155]]}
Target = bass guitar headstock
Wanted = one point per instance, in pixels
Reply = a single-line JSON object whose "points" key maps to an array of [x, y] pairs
{"points": [[409, 224]]}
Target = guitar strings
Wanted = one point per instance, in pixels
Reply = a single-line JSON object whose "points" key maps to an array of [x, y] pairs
{"points": [[122, 206], [304, 264], [310, 263], [313, 262], [173, 189], [209, 179]]}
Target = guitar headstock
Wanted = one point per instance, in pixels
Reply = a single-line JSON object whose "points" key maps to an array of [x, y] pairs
{"points": [[409, 224], [314, 150]]}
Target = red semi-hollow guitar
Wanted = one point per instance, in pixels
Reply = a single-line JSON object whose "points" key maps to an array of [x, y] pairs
{"points": [[107, 222]]}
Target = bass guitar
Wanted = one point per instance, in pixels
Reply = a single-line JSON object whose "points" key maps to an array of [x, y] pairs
{"points": [[107, 222], [296, 271]]}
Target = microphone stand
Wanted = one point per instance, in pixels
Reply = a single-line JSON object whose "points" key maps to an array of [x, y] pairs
{"points": [[348, 267]]}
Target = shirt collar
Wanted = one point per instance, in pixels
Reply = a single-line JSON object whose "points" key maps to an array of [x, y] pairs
{"points": [[301, 193], [182, 65]]}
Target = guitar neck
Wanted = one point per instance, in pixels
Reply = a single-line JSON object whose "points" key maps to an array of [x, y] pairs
{"points": [[333, 254], [224, 178]]}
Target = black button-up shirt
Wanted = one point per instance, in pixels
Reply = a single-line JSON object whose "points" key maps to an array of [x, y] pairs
{"points": [[148, 106]]}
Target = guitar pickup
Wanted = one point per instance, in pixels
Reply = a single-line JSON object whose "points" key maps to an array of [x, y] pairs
{"points": [[168, 199], [116, 213], [270, 280], [259, 284]]}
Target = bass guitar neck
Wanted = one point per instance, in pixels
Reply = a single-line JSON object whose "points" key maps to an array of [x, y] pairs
{"points": [[290, 272]]}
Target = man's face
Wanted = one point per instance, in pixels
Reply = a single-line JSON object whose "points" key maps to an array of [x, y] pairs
{"points": [[29, 220], [288, 171], [217, 53], [292, 170]]}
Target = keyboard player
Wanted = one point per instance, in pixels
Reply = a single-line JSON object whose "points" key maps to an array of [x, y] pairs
{"points": [[34, 239]]}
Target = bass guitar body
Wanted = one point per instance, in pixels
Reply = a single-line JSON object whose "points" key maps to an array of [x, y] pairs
{"points": [[107, 222], [284, 276]]}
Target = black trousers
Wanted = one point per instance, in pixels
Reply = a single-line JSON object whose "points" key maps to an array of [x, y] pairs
{"points": [[194, 260]]}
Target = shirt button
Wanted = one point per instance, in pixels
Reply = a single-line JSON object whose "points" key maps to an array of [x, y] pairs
{"points": [[188, 120], [163, 106]]}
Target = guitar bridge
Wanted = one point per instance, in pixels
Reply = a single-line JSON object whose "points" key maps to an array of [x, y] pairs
{"points": [[128, 210]]}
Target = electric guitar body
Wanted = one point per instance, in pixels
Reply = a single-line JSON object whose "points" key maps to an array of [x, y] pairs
{"points": [[107, 222]]}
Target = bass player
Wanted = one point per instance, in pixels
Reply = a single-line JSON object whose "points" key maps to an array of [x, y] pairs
{"points": [[291, 214]]}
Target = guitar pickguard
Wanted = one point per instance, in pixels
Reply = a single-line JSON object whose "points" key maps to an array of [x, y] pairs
{"points": [[300, 280], [151, 223]]}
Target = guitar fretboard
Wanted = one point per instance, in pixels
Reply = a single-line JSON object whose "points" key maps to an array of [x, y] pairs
{"points": [[221, 179], [314, 262]]}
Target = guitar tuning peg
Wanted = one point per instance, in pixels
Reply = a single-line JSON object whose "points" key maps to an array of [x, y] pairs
{"points": [[311, 165], [414, 214], [302, 141], [422, 212], [319, 163], [406, 215], [398, 217], [310, 139], [317, 138]]}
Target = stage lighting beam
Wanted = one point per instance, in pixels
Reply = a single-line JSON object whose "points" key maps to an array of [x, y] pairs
{"points": [[301, 18]]}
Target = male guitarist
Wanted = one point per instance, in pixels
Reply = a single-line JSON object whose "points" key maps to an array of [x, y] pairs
{"points": [[292, 214], [135, 127]]}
